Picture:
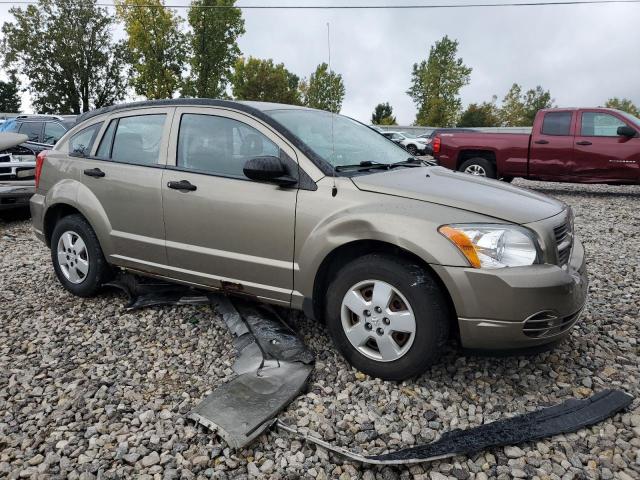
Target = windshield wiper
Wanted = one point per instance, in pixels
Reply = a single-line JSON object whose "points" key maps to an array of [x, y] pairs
{"points": [[369, 165]]}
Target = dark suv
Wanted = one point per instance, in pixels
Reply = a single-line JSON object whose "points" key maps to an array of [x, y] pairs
{"points": [[17, 163], [43, 130]]}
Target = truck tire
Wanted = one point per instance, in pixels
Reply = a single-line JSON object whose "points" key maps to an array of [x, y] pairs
{"points": [[77, 257], [479, 166], [387, 316]]}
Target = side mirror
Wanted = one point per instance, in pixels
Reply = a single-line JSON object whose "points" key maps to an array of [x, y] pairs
{"points": [[268, 169], [626, 131]]}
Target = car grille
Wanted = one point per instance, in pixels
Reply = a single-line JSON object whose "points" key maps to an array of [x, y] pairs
{"points": [[548, 324], [5, 158], [564, 241]]}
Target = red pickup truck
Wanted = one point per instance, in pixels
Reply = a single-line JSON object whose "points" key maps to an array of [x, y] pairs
{"points": [[583, 145]]}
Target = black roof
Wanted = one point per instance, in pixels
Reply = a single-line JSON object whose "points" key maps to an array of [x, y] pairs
{"points": [[247, 106]]}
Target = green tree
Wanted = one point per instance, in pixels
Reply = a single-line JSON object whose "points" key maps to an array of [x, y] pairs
{"points": [[262, 80], [325, 90], [213, 47], [534, 100], [383, 115], [436, 83], [519, 109], [484, 114], [156, 47], [9, 96], [66, 50], [623, 104]]}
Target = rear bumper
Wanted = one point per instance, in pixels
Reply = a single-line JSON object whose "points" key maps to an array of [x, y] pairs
{"points": [[15, 194], [517, 308]]}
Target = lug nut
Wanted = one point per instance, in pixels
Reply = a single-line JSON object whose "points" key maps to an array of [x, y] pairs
{"points": [[378, 309], [380, 331], [367, 313], [386, 321], [368, 326]]}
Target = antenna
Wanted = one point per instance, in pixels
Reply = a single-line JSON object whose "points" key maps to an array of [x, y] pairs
{"points": [[334, 190]]}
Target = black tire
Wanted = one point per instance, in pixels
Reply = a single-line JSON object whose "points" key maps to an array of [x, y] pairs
{"points": [[422, 293], [99, 270], [483, 163], [412, 149]]}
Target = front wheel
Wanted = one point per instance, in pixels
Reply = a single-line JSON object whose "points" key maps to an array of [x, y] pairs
{"points": [[77, 257], [387, 316], [480, 167]]}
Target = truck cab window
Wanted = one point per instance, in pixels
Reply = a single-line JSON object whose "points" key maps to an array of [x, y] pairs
{"points": [[597, 124], [557, 123]]}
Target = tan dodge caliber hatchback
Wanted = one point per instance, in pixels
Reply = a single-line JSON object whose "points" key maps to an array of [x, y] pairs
{"points": [[313, 211]]}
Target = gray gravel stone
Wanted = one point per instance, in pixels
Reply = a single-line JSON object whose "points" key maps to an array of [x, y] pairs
{"points": [[87, 388]]}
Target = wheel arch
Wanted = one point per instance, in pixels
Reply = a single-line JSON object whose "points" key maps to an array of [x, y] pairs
{"points": [[53, 215], [469, 154], [348, 252]]}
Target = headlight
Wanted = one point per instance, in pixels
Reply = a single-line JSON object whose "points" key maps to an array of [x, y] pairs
{"points": [[493, 246]]}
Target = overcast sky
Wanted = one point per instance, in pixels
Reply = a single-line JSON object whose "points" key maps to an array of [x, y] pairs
{"points": [[584, 54]]}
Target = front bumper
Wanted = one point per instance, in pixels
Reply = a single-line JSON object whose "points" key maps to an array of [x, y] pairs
{"points": [[15, 194], [517, 308]]}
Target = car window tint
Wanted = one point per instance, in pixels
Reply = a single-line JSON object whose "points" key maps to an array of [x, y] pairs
{"points": [[31, 130], [53, 131], [137, 139], [557, 123], [220, 145], [104, 149], [81, 142], [600, 125]]}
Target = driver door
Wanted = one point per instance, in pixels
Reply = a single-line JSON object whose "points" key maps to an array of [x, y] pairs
{"points": [[225, 230]]}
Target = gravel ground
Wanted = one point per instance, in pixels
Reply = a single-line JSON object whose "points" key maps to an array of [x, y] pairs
{"points": [[89, 391]]}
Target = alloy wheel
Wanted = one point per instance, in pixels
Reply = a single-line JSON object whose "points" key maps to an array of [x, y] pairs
{"points": [[477, 170], [378, 320], [73, 257]]}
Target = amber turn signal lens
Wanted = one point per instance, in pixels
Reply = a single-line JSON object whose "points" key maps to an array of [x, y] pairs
{"points": [[460, 240]]}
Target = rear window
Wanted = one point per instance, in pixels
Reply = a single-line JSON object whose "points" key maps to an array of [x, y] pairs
{"points": [[557, 123], [31, 130], [53, 131]]}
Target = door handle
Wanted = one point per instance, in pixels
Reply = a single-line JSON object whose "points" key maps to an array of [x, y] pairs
{"points": [[94, 172], [542, 142], [182, 185], [584, 142]]}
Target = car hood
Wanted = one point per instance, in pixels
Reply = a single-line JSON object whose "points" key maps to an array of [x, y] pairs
{"points": [[460, 190]]}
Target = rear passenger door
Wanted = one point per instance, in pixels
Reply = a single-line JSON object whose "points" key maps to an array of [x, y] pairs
{"points": [[227, 231], [551, 149], [124, 174]]}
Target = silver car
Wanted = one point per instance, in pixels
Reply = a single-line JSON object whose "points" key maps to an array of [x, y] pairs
{"points": [[313, 211]]}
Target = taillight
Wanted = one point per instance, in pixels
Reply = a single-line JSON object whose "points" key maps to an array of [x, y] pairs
{"points": [[437, 143], [39, 163]]}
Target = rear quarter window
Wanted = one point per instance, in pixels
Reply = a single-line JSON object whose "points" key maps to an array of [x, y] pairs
{"points": [[80, 144]]}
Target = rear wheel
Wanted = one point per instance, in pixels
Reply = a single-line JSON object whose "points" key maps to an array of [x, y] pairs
{"points": [[478, 166], [77, 257], [387, 316], [412, 149]]}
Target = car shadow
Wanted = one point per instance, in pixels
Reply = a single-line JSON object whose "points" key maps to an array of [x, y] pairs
{"points": [[14, 215]]}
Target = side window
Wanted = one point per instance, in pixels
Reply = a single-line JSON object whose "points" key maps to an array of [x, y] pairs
{"points": [[104, 149], [557, 123], [31, 130], [137, 139], [81, 142], [600, 125], [53, 131], [220, 145]]}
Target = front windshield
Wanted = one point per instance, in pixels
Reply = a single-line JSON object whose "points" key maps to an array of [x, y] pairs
{"points": [[352, 142], [633, 119]]}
